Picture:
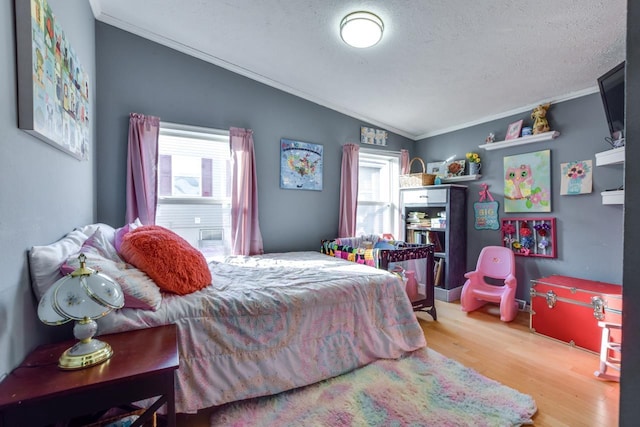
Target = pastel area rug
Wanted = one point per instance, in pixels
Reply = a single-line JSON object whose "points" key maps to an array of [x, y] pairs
{"points": [[421, 389]]}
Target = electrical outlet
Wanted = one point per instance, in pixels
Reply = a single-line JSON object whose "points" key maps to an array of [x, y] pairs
{"points": [[522, 305], [197, 219]]}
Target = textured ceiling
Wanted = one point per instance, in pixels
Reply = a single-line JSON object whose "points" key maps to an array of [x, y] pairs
{"points": [[441, 65]]}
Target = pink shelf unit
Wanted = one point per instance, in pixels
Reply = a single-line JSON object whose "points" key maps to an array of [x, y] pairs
{"points": [[529, 236]]}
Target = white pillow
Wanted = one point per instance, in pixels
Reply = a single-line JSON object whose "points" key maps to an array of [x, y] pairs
{"points": [[139, 290], [45, 261], [107, 231]]}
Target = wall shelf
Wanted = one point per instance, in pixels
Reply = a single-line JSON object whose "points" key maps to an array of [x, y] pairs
{"points": [[461, 178], [546, 136], [614, 156], [612, 197]]}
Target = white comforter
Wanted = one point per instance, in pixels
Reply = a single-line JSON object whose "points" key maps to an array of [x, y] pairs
{"points": [[274, 322]]}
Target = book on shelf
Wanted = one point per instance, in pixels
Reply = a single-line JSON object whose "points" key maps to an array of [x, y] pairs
{"points": [[433, 239], [438, 271]]}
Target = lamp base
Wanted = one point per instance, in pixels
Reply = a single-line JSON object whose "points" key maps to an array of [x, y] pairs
{"points": [[84, 354]]}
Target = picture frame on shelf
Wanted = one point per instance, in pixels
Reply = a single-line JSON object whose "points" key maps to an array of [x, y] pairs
{"points": [[437, 168], [513, 131], [454, 168]]}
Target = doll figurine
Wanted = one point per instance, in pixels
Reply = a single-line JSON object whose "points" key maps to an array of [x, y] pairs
{"points": [[540, 122]]}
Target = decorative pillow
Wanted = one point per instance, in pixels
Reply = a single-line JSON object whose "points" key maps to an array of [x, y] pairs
{"points": [[103, 245], [96, 244], [120, 232], [45, 261], [108, 231], [167, 258], [139, 290]]}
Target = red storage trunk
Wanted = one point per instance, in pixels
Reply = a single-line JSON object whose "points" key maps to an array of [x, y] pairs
{"points": [[568, 309]]}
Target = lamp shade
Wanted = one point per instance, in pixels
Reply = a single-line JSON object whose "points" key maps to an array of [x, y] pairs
{"points": [[361, 29], [84, 296]]}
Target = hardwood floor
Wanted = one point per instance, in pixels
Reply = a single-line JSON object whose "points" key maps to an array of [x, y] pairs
{"points": [[559, 377]]}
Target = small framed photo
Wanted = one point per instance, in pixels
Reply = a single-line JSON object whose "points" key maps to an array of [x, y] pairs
{"points": [[454, 168], [513, 131], [437, 168]]}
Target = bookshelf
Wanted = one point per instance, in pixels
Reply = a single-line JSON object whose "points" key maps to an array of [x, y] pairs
{"points": [[437, 215]]}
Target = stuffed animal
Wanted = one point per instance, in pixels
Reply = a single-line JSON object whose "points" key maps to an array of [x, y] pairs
{"points": [[540, 123]]}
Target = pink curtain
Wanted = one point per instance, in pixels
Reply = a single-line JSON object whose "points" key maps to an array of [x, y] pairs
{"points": [[348, 191], [246, 238], [142, 161], [404, 162]]}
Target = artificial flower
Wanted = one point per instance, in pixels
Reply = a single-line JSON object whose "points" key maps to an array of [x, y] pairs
{"points": [[508, 228], [473, 157]]}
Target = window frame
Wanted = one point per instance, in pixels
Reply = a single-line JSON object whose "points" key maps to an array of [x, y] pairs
{"points": [[224, 203], [393, 203]]}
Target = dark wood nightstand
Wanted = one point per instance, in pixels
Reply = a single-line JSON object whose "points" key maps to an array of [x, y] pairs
{"points": [[38, 393]]}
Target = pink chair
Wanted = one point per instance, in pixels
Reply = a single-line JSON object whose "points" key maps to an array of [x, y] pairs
{"points": [[496, 262]]}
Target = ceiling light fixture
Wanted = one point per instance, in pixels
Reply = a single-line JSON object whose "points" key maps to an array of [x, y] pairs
{"points": [[361, 29]]}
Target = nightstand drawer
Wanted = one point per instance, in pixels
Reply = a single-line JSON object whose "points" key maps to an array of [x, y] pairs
{"points": [[424, 196]]}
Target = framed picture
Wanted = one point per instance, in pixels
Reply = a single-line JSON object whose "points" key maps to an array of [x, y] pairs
{"points": [[300, 165], [53, 87], [454, 168], [373, 136], [437, 168], [534, 237], [576, 178], [527, 182], [513, 131]]}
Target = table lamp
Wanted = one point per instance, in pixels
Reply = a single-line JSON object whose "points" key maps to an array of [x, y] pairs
{"points": [[84, 296]]}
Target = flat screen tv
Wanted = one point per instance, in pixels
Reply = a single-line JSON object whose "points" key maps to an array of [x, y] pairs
{"points": [[611, 86]]}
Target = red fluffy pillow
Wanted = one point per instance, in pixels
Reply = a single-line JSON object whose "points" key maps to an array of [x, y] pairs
{"points": [[167, 258]]}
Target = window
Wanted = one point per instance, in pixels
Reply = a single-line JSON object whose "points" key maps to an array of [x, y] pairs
{"points": [[378, 196], [194, 186]]}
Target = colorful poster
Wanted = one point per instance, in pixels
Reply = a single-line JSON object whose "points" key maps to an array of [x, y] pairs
{"points": [[576, 178], [527, 182], [300, 165], [53, 86]]}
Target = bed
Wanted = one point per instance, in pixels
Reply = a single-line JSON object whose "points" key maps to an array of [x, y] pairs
{"points": [[266, 323]]}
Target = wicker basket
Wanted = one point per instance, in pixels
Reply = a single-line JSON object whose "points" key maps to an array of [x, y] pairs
{"points": [[411, 180]]}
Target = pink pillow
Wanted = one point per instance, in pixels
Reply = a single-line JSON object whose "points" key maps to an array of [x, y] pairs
{"points": [[120, 232], [167, 258], [139, 290]]}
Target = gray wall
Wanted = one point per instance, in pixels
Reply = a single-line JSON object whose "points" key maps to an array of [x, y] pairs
{"points": [[45, 193], [137, 75], [585, 227]]}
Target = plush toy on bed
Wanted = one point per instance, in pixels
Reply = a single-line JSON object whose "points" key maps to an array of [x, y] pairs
{"points": [[540, 122]]}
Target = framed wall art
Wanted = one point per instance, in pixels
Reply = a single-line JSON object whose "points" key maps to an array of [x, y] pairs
{"points": [[437, 168], [454, 168], [373, 136], [527, 182], [576, 178], [513, 131], [530, 236], [300, 165], [53, 87]]}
